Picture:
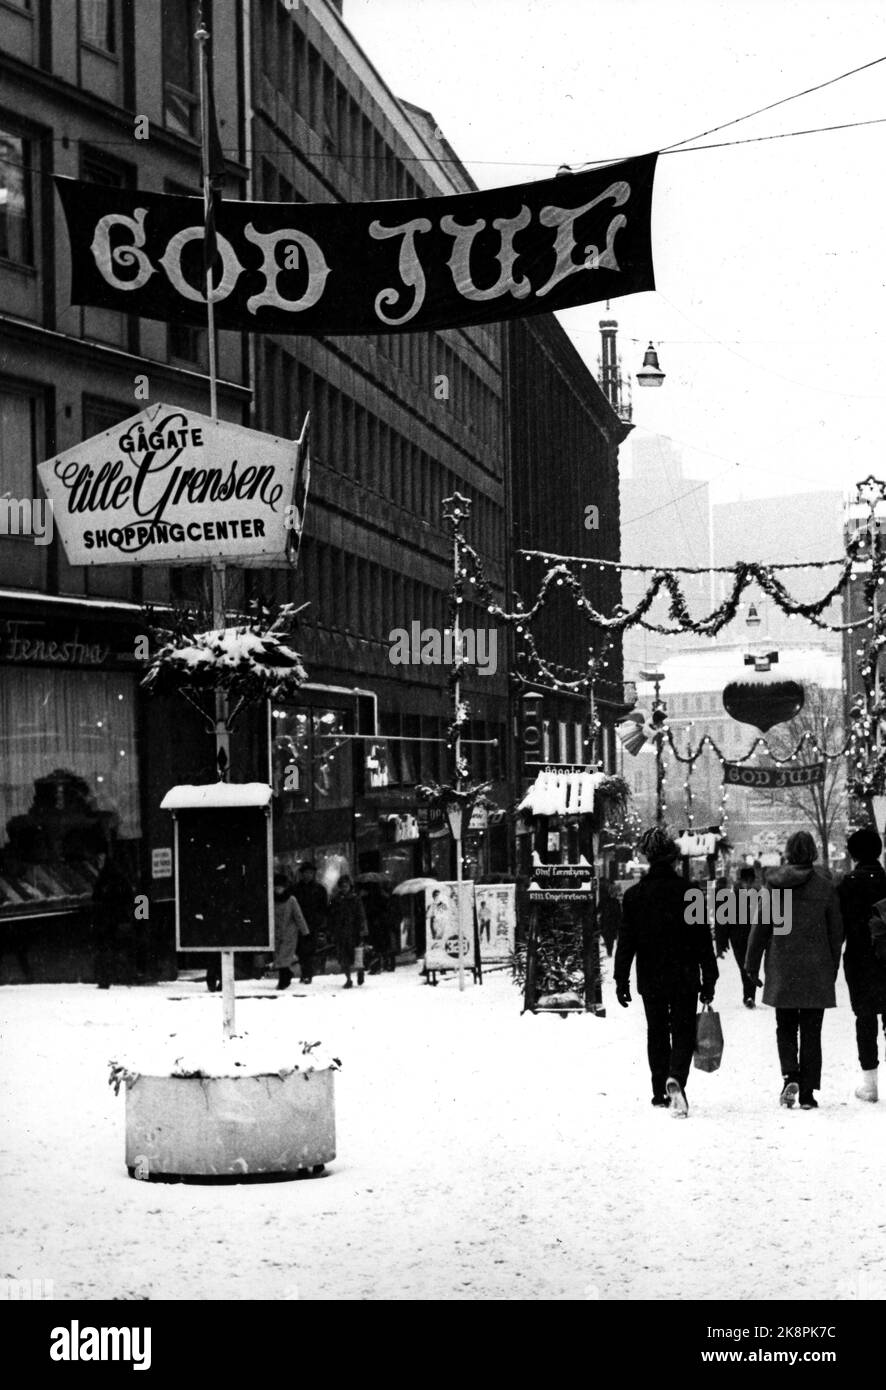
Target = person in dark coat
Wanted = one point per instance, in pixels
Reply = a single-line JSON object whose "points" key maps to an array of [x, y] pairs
{"points": [[610, 915], [347, 921], [313, 900], [113, 902], [736, 935], [802, 959], [865, 975], [675, 965]]}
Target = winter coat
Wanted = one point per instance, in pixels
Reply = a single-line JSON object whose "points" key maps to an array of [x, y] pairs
{"points": [[673, 955], [347, 921], [801, 963], [289, 926], [865, 976], [113, 899], [313, 900]]}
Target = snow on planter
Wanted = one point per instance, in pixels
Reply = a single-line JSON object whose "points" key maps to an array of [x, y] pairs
{"points": [[227, 1109]]}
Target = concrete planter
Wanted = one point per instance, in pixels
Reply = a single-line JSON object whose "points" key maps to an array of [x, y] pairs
{"points": [[230, 1127]]}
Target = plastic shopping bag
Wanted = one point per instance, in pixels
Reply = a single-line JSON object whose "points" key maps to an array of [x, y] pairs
{"points": [[708, 1040]]}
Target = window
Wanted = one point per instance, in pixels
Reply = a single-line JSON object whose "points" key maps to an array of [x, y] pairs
{"points": [[18, 441], [181, 98], [16, 211], [70, 778], [98, 25]]}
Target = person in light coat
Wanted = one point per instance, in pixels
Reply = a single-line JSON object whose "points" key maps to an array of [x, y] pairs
{"points": [[289, 927], [802, 957]]}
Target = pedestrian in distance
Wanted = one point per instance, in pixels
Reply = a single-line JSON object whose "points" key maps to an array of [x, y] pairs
{"points": [[289, 927], [864, 886], [610, 915], [313, 900], [347, 921], [113, 902], [802, 958], [676, 966], [735, 935]]}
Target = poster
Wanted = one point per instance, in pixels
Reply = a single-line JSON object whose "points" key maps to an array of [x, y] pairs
{"points": [[443, 917], [169, 486], [402, 265], [496, 906]]}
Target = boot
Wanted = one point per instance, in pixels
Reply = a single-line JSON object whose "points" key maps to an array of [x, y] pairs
{"points": [[679, 1105], [284, 980], [360, 977], [789, 1092], [868, 1088]]}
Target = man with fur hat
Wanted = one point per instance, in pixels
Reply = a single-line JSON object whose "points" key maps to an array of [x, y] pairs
{"points": [[675, 966]]}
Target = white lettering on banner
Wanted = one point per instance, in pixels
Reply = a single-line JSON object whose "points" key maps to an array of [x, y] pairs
{"points": [[106, 259], [411, 273], [460, 260], [410, 269], [316, 266], [171, 261], [564, 220]]}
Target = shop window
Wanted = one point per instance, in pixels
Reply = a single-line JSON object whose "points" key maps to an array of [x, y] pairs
{"points": [[181, 94], [16, 202], [69, 782]]}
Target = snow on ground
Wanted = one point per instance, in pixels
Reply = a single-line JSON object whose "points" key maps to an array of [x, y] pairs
{"points": [[481, 1155]]}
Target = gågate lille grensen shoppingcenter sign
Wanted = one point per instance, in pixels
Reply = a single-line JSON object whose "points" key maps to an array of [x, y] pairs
{"points": [[169, 485]]}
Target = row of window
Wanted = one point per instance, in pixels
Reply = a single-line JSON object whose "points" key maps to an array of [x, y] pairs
{"points": [[295, 68], [357, 443], [369, 600]]}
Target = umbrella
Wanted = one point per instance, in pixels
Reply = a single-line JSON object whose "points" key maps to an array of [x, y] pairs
{"points": [[416, 885]]}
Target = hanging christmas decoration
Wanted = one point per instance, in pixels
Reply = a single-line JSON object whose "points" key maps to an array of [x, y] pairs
{"points": [[763, 703]]}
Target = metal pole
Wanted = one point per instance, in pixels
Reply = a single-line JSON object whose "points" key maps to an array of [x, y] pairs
{"points": [[659, 766], [217, 568], [456, 656]]}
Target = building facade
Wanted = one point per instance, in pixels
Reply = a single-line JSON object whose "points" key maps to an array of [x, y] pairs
{"points": [[107, 90]]}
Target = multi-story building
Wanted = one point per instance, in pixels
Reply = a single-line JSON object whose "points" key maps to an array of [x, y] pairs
{"points": [[107, 90]]}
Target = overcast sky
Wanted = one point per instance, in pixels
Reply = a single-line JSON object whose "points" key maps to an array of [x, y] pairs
{"points": [[770, 312]]}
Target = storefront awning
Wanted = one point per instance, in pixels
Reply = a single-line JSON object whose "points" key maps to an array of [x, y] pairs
{"points": [[216, 796]]}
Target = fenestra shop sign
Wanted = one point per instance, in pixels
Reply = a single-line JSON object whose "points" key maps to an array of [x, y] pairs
{"points": [[170, 486]]}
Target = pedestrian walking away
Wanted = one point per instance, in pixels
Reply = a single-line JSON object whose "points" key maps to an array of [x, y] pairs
{"points": [[802, 958], [675, 966], [313, 900], [289, 927], [865, 975], [347, 921], [735, 935]]}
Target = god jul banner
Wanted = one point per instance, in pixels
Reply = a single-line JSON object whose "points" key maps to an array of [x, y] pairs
{"points": [[367, 267], [169, 486], [807, 775]]}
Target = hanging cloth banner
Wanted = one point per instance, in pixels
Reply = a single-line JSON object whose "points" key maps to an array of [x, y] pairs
{"points": [[367, 267], [806, 775]]}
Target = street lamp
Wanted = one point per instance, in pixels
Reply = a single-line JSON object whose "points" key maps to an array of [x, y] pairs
{"points": [[659, 711], [455, 816], [650, 374]]}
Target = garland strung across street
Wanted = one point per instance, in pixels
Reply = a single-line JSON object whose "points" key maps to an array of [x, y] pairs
{"points": [[865, 749]]}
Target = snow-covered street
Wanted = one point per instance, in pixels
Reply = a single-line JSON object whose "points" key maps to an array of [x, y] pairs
{"points": [[481, 1155]]}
